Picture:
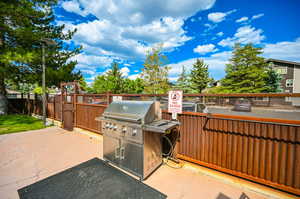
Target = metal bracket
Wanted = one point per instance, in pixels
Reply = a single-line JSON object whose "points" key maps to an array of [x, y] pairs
{"points": [[117, 152], [122, 153]]}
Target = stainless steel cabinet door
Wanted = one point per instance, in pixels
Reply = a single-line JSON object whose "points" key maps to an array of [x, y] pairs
{"points": [[131, 157], [111, 149]]}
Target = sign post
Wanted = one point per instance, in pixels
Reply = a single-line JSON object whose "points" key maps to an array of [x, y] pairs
{"points": [[175, 103]]}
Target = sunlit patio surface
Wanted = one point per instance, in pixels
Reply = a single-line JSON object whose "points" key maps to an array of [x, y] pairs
{"points": [[34, 155]]}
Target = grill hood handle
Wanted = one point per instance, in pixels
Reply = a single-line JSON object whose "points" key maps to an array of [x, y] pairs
{"points": [[136, 120]]}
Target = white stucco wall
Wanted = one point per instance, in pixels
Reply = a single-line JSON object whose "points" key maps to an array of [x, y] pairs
{"points": [[296, 86]]}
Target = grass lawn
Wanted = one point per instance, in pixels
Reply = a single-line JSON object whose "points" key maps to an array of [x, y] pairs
{"points": [[18, 123]]}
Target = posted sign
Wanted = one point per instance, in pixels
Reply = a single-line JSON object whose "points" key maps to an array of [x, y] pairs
{"points": [[117, 98], [175, 102]]}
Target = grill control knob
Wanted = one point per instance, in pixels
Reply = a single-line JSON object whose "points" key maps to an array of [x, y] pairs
{"points": [[124, 129], [134, 132], [115, 127], [107, 125]]}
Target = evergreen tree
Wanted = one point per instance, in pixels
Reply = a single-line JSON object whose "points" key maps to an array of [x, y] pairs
{"points": [[272, 81], [115, 76], [183, 82], [199, 76], [247, 72], [154, 73], [24, 26]]}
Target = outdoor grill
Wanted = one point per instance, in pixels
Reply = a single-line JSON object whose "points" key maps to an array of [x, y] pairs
{"points": [[132, 133]]}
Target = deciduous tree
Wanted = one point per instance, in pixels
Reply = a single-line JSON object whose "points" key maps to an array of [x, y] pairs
{"points": [[155, 72]]}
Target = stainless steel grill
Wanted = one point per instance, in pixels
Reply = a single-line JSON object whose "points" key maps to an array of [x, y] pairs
{"points": [[132, 133]]}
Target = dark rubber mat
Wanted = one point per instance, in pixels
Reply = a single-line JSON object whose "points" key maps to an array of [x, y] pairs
{"points": [[89, 180]]}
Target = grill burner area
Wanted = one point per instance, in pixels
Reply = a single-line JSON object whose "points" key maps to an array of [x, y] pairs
{"points": [[132, 133]]}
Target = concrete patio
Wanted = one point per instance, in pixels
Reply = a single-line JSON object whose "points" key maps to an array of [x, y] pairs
{"points": [[34, 155]]}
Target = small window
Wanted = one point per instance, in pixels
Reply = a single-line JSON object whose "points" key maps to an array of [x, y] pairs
{"points": [[80, 99], [288, 99], [281, 70], [262, 99], [289, 83]]}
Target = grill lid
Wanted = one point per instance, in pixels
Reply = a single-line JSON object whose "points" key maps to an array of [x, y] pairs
{"points": [[133, 111]]}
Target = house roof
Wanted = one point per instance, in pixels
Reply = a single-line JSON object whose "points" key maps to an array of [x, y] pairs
{"points": [[283, 61]]}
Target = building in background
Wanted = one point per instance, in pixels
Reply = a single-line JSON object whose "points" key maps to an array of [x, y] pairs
{"points": [[290, 78], [290, 75]]}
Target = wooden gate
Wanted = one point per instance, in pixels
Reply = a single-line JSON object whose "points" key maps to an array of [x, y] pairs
{"points": [[68, 91], [68, 112]]}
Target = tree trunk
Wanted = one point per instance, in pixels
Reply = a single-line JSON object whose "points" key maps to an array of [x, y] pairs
{"points": [[3, 99], [2, 85]]}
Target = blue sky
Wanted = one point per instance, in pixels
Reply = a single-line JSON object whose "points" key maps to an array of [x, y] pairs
{"points": [[124, 30]]}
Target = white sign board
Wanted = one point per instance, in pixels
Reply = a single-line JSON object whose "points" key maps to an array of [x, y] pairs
{"points": [[117, 98], [175, 102]]}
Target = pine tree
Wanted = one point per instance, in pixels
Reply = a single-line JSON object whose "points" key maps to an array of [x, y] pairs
{"points": [[114, 75], [199, 76], [247, 72], [24, 25], [183, 82], [272, 81], [155, 73]]}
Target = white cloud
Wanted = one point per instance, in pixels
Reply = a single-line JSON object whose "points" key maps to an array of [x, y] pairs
{"points": [[257, 16], [244, 35], [209, 26], [125, 71], [167, 31], [88, 71], [73, 6], [203, 49], [128, 29], [92, 61], [216, 65], [140, 12], [103, 37], [217, 17], [220, 34], [286, 50], [134, 76], [242, 19]]}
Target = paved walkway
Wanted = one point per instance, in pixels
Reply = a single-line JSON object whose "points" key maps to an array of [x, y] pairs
{"points": [[31, 156]]}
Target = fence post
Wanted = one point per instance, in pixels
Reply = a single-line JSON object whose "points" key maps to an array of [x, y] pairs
{"points": [[108, 97], [46, 104], [34, 104], [75, 108]]}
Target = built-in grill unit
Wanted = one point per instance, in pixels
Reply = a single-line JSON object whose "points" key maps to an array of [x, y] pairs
{"points": [[132, 133]]}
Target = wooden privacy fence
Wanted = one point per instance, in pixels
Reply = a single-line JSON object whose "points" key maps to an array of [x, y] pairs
{"points": [[86, 114], [54, 107], [259, 150], [263, 152]]}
